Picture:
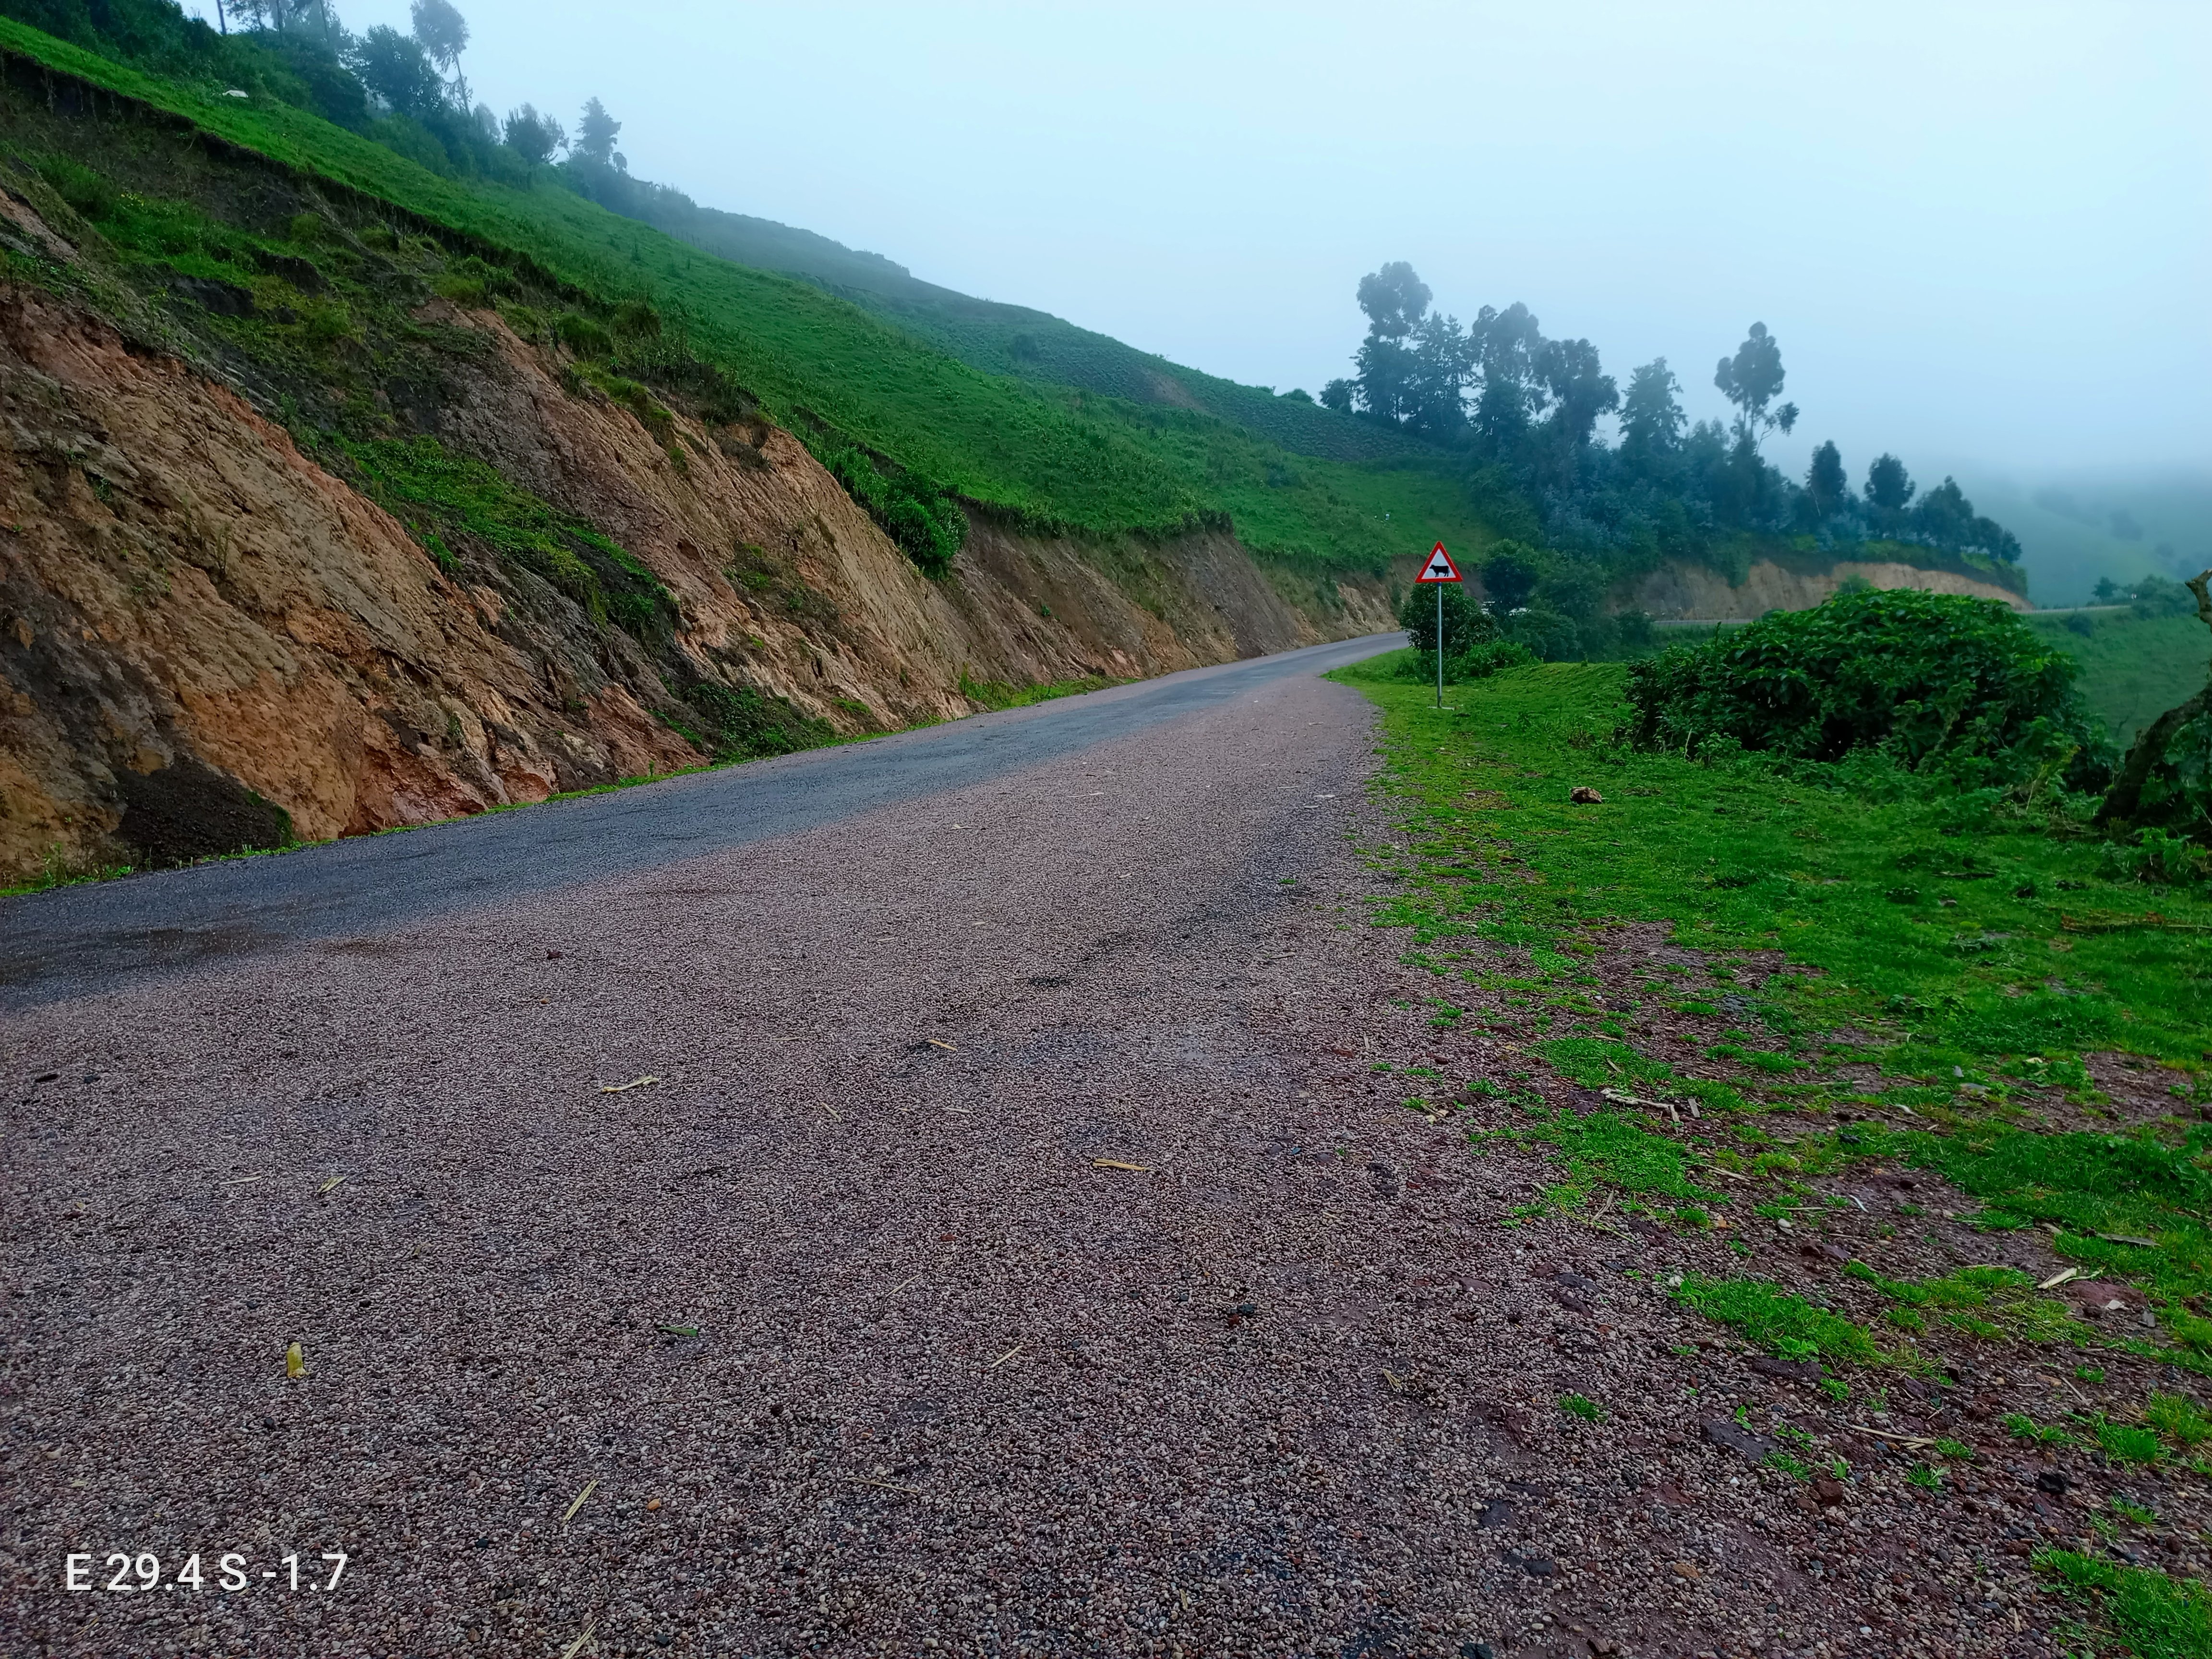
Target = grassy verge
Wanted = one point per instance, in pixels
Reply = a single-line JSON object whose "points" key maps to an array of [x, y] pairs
{"points": [[1859, 979]]}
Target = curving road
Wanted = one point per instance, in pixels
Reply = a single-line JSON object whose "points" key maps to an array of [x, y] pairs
{"points": [[77, 938]]}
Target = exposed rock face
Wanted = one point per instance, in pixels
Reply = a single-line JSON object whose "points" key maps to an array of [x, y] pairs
{"points": [[207, 639], [1684, 591]]}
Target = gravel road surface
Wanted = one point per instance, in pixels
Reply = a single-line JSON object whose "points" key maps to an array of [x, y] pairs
{"points": [[972, 1222]]}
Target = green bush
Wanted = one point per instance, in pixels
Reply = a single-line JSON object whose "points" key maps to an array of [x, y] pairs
{"points": [[924, 520], [1546, 635], [435, 492], [742, 723], [85, 191], [583, 337], [1915, 676], [1484, 661], [1465, 626]]}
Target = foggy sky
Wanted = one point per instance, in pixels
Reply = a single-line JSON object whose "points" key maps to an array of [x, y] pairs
{"points": [[1982, 233]]}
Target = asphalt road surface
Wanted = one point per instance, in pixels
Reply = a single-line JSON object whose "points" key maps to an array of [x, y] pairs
{"points": [[79, 938]]}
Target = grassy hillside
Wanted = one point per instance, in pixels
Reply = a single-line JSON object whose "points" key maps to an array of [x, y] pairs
{"points": [[1054, 457], [2133, 669], [1003, 339]]}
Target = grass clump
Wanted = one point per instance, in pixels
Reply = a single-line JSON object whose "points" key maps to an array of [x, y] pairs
{"points": [[994, 695], [2177, 1417], [452, 499], [1607, 1148], [1993, 1303], [1582, 1406], [2159, 1617], [740, 723], [1783, 1323]]}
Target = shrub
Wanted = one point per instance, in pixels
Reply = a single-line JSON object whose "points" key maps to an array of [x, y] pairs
{"points": [[1484, 660], [1546, 635], [2156, 855], [583, 337], [1465, 626], [85, 191], [1917, 676], [924, 520]]}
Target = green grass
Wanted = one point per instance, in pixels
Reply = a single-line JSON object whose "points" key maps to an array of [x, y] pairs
{"points": [[2040, 955], [2157, 1616], [1582, 1406], [1969, 1011], [1610, 1149], [1778, 1321], [440, 495], [1052, 457], [2133, 670], [994, 695]]}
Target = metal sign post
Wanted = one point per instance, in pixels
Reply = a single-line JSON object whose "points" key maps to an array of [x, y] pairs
{"points": [[1437, 572]]}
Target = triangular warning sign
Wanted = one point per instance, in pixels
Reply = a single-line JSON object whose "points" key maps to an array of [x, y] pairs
{"points": [[1439, 568]]}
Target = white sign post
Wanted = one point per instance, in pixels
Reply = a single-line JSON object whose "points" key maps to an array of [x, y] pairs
{"points": [[1437, 572]]}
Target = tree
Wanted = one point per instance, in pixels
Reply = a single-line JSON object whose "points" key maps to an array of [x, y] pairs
{"points": [[1888, 486], [311, 17], [534, 137], [1390, 380], [1826, 483], [1387, 370], [1505, 345], [595, 136], [443, 32], [1651, 418], [398, 71], [1509, 575], [1465, 626], [1946, 518], [1580, 393], [1752, 380], [1337, 395], [1436, 386], [1394, 300]]}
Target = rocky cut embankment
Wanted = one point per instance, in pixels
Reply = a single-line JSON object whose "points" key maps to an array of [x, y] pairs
{"points": [[358, 535]]}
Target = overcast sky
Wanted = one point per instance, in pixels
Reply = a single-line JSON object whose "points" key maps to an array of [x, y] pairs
{"points": [[1982, 232]]}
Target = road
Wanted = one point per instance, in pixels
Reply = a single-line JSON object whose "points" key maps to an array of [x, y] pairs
{"points": [[879, 1201], [78, 938]]}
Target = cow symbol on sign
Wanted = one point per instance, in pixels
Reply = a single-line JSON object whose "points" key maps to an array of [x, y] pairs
{"points": [[1440, 568]]}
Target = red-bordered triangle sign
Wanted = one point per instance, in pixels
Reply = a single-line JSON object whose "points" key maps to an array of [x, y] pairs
{"points": [[1440, 568]]}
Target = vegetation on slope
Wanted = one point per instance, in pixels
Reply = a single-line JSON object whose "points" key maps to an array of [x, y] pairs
{"points": [[1052, 458], [919, 397], [2133, 666]]}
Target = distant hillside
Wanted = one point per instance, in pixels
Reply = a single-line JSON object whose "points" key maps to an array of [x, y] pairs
{"points": [[997, 338], [2075, 529]]}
